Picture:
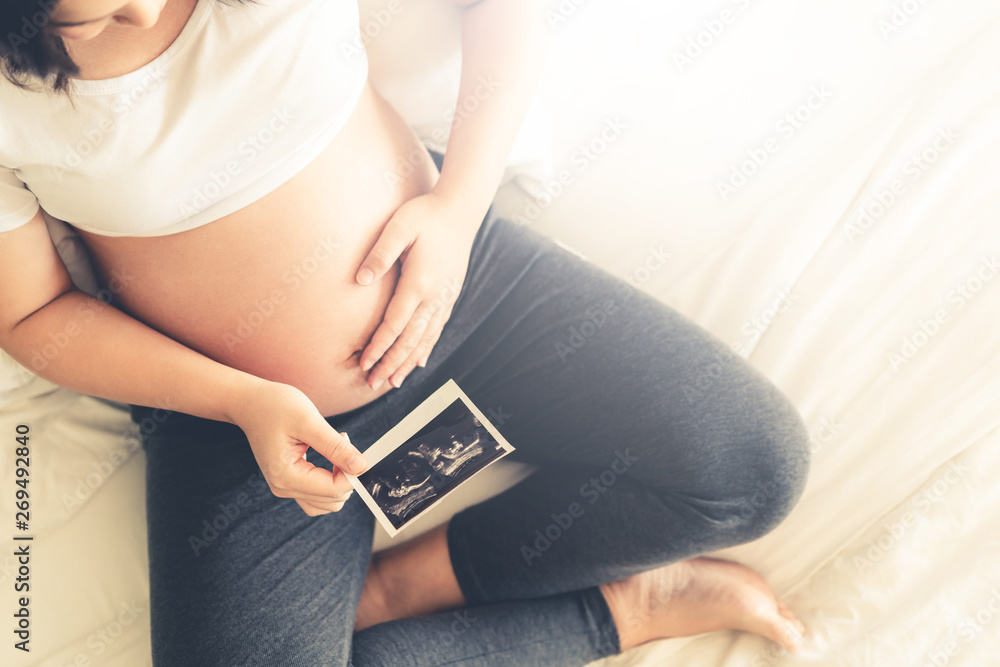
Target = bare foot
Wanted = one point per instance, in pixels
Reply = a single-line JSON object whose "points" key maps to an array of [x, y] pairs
{"points": [[696, 596]]}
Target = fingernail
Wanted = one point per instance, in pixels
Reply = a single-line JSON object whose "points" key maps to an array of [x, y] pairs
{"points": [[365, 275], [395, 382], [356, 464], [367, 365], [422, 362], [375, 387]]}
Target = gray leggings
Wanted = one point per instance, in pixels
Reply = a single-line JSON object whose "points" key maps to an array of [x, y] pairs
{"points": [[655, 443]]}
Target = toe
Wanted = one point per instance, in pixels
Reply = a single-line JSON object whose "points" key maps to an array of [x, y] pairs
{"points": [[765, 617], [787, 614], [786, 632]]}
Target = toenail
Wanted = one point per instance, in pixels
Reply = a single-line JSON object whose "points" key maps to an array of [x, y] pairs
{"points": [[793, 634]]}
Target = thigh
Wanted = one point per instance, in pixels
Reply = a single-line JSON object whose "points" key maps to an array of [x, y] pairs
{"points": [[238, 576], [575, 365]]}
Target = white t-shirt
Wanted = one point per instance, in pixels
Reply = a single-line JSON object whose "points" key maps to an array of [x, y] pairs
{"points": [[242, 100]]}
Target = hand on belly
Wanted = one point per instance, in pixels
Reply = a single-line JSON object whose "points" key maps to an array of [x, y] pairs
{"points": [[432, 237]]}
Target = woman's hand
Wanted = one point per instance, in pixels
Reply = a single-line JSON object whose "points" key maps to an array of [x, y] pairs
{"points": [[432, 235], [281, 423]]}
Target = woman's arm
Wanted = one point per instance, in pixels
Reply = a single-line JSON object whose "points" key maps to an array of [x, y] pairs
{"points": [[87, 345], [84, 344], [504, 43]]}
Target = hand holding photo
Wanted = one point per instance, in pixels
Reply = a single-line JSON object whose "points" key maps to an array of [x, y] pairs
{"points": [[441, 444]]}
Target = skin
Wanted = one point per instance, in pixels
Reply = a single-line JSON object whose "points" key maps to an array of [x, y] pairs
{"points": [[341, 339]]}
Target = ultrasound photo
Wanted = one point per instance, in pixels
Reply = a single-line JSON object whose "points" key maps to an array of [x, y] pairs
{"points": [[445, 441]]}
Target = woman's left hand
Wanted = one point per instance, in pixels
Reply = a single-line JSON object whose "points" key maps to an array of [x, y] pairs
{"points": [[432, 237]]}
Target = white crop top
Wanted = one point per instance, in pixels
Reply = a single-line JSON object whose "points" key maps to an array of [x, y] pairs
{"points": [[243, 99]]}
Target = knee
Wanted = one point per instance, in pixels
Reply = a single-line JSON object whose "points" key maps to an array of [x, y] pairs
{"points": [[772, 475]]}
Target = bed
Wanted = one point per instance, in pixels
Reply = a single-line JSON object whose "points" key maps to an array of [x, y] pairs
{"points": [[821, 180]]}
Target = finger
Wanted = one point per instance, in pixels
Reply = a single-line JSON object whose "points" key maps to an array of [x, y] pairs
{"points": [[420, 350], [322, 501], [301, 479], [398, 314], [400, 351], [304, 480], [318, 510], [435, 337], [325, 502], [328, 504], [395, 238], [336, 448], [309, 508]]}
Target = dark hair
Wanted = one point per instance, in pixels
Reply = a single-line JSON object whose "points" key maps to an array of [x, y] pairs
{"points": [[28, 50]]}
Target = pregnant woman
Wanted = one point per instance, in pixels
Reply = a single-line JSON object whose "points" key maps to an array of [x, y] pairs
{"points": [[292, 273]]}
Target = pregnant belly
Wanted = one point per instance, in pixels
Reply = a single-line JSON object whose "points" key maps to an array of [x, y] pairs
{"points": [[270, 289]]}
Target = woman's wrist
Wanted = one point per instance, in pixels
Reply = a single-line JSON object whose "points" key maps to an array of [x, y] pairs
{"points": [[237, 399], [470, 210]]}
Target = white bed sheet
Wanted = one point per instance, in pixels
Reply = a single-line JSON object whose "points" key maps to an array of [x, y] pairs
{"points": [[893, 548]]}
